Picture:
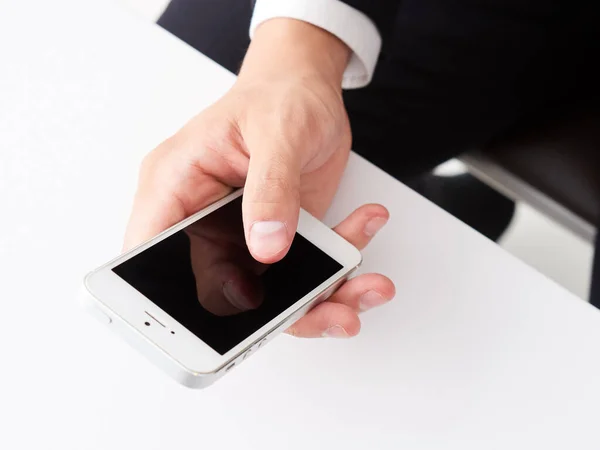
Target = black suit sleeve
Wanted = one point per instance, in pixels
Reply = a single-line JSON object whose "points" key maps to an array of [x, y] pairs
{"points": [[381, 12]]}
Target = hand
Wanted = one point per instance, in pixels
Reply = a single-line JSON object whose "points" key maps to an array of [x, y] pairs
{"points": [[228, 279], [282, 132]]}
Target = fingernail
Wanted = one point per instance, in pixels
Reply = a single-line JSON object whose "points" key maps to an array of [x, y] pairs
{"points": [[371, 299], [236, 297], [268, 238], [374, 225], [336, 331]]}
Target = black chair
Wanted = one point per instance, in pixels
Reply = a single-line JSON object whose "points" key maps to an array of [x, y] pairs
{"points": [[553, 166]]}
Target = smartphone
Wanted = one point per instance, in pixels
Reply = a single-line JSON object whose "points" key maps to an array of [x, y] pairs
{"points": [[195, 302]]}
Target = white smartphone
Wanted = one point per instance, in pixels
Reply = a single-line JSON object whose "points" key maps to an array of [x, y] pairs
{"points": [[197, 304]]}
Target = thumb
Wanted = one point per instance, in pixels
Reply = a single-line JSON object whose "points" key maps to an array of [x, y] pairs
{"points": [[271, 202]]}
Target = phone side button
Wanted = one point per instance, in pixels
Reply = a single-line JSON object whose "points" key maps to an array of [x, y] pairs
{"points": [[100, 315]]}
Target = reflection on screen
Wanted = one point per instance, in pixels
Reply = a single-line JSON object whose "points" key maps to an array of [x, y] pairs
{"points": [[204, 277]]}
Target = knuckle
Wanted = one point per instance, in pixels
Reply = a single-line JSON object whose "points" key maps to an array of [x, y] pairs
{"points": [[148, 161], [148, 166], [277, 182], [315, 126], [301, 126], [275, 188], [153, 158]]}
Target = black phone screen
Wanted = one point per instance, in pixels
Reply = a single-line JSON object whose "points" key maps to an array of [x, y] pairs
{"points": [[205, 278]]}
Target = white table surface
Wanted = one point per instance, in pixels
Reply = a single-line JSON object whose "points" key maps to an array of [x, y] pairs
{"points": [[478, 351]]}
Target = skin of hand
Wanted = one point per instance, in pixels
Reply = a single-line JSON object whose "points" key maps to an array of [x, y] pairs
{"points": [[281, 132], [228, 278]]}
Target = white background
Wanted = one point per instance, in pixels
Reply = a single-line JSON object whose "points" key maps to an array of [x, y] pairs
{"points": [[477, 350]]}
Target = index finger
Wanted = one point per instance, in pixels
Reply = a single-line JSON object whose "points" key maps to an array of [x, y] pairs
{"points": [[163, 198]]}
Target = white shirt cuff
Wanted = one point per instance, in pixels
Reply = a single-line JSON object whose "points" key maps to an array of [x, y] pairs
{"points": [[349, 25]]}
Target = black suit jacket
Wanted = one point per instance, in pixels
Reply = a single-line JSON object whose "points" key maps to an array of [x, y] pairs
{"points": [[382, 12]]}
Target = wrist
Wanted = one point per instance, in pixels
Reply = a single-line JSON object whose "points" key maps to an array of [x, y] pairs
{"points": [[284, 47]]}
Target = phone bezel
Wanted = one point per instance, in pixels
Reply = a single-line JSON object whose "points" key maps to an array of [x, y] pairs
{"points": [[125, 303]]}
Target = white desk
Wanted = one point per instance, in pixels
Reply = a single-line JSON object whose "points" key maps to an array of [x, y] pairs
{"points": [[478, 351]]}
